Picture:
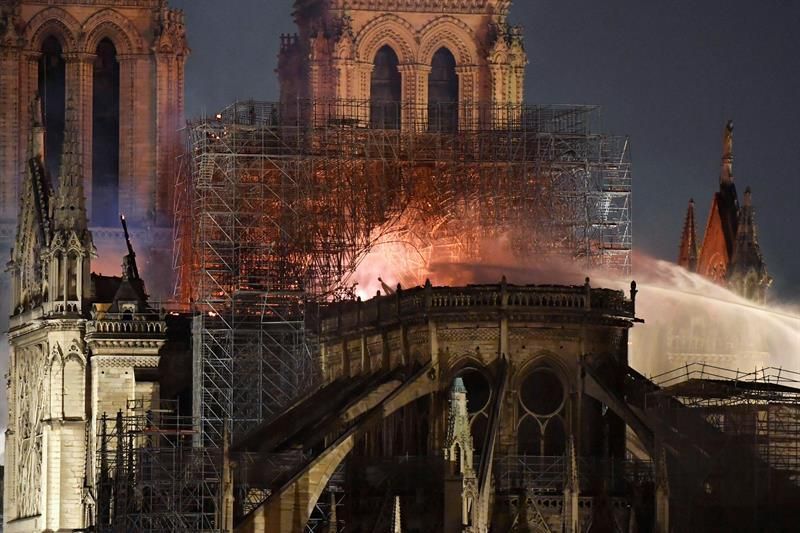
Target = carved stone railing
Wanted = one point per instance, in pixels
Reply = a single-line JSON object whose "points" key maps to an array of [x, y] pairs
{"points": [[500, 298], [61, 307], [118, 324]]}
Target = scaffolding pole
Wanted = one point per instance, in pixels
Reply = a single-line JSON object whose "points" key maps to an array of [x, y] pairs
{"points": [[281, 204]]}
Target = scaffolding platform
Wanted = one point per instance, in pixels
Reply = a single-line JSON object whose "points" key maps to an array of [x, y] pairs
{"points": [[280, 203]]}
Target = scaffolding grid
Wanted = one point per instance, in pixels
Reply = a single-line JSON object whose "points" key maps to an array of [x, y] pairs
{"points": [[281, 203], [760, 407], [150, 478]]}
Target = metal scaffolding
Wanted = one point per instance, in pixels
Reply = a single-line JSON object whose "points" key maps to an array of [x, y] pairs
{"points": [[149, 476], [760, 408], [281, 203]]}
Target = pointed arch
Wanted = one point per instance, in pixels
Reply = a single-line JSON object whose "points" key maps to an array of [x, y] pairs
{"points": [[548, 360], [387, 29], [74, 386], [451, 33], [443, 92], [55, 22], [111, 25], [56, 381], [386, 89], [52, 87]]}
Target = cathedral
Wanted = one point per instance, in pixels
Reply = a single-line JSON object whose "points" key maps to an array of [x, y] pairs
{"points": [[82, 344], [729, 253], [91, 101], [467, 409], [424, 65]]}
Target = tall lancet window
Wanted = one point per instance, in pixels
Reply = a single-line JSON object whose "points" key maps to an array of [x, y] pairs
{"points": [[443, 92], [52, 91], [105, 136], [385, 90]]}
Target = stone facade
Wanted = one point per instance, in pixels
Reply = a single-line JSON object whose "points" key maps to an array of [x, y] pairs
{"points": [[729, 253], [82, 345], [149, 52], [333, 56], [495, 370]]}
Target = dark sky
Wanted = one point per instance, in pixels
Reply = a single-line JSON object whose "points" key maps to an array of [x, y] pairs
{"points": [[669, 73]]}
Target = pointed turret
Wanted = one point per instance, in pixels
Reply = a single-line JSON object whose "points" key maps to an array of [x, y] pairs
{"points": [[71, 248], [687, 255], [727, 199], [70, 202], [747, 273], [461, 486]]}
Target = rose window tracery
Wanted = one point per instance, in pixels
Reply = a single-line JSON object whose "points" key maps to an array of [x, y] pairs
{"points": [[30, 405], [541, 402]]}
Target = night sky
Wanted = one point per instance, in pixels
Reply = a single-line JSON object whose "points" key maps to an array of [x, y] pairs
{"points": [[667, 73]]}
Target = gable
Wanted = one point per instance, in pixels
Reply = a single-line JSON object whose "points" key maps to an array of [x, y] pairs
{"points": [[714, 258]]}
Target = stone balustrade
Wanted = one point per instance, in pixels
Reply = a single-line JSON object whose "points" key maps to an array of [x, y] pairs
{"points": [[482, 299]]}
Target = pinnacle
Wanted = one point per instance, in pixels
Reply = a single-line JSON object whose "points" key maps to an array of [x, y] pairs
{"points": [[70, 201]]}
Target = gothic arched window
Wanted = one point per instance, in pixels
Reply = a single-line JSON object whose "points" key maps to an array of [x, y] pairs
{"points": [[385, 90], [52, 91], [443, 92], [542, 399], [105, 136]]}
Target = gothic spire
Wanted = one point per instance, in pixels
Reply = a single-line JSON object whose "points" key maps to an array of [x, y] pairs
{"points": [[70, 204], [748, 271], [726, 171], [687, 256], [131, 291], [458, 441], [727, 198], [129, 269]]}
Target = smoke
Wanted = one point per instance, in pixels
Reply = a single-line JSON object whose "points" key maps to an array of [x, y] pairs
{"points": [[690, 319], [443, 263], [687, 317]]}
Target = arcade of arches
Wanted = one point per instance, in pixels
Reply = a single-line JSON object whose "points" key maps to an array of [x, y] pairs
{"points": [[439, 66], [119, 65]]}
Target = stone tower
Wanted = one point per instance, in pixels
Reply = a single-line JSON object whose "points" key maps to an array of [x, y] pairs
{"points": [[729, 253], [81, 345], [460, 490], [420, 64], [121, 62]]}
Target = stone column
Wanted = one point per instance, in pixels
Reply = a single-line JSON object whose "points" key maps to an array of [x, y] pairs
{"points": [[10, 133], [169, 67], [10, 474], [345, 78], [165, 82], [361, 91], [136, 132], [467, 96], [414, 81], [498, 115]]}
